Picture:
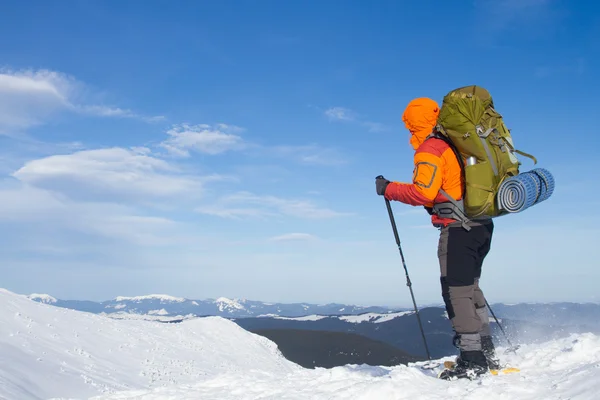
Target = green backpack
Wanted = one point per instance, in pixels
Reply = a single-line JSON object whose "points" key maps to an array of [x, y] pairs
{"points": [[484, 147]]}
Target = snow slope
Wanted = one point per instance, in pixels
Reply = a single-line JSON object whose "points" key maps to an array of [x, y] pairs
{"points": [[50, 352], [562, 369], [47, 351]]}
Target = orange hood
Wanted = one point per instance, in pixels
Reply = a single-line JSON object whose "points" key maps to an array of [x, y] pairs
{"points": [[420, 117]]}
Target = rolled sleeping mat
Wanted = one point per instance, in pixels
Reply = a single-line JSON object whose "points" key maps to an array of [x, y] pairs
{"points": [[546, 183], [520, 192]]}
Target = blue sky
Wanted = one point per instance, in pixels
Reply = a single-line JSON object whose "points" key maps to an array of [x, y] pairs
{"points": [[207, 149]]}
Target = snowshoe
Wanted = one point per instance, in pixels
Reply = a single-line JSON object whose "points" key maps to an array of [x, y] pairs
{"points": [[470, 364], [489, 352]]}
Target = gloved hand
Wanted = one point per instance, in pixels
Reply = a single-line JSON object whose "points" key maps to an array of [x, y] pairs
{"points": [[381, 184]]}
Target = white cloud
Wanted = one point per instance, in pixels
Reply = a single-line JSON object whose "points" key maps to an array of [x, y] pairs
{"points": [[293, 237], [375, 127], [202, 138], [310, 154], [39, 210], [105, 111], [245, 204], [339, 114], [346, 115], [108, 173], [220, 138], [29, 98]]}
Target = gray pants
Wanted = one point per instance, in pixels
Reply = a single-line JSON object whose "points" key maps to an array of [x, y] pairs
{"points": [[461, 256]]}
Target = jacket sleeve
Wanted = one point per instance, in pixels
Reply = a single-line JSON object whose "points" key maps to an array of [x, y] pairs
{"points": [[427, 181]]}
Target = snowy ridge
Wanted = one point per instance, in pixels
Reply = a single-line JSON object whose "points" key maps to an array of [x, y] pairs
{"points": [[162, 311], [374, 317], [225, 304], [305, 318], [164, 298], [222, 306], [147, 317], [356, 319], [51, 352], [42, 298]]}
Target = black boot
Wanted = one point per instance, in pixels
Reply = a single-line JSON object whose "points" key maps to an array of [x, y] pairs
{"points": [[469, 364], [487, 345]]}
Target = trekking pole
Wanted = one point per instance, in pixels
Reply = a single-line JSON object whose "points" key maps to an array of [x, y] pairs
{"points": [[408, 282], [512, 348]]}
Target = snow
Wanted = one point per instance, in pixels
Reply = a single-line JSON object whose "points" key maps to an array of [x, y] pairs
{"points": [[226, 304], [56, 353], [304, 318], [147, 317], [44, 298], [165, 298], [51, 352], [374, 317], [118, 306], [561, 369], [162, 311]]}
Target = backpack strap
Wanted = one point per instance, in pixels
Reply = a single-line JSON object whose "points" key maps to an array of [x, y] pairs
{"points": [[521, 152], [452, 208]]}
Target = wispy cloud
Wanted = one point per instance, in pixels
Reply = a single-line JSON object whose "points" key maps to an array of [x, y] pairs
{"points": [[246, 204], [185, 139], [310, 154], [342, 114], [202, 138], [293, 237], [105, 111], [115, 173], [47, 211], [29, 98], [339, 114]]}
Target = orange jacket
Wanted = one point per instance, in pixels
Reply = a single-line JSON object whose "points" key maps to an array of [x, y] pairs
{"points": [[436, 166]]}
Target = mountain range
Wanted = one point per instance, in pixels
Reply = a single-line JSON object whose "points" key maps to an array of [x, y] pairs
{"points": [[165, 305], [522, 323]]}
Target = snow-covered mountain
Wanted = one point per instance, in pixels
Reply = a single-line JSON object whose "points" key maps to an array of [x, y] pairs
{"points": [[165, 305], [162, 306], [50, 352]]}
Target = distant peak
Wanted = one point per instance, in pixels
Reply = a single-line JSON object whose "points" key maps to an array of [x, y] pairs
{"points": [[42, 298], [225, 303], [161, 297]]}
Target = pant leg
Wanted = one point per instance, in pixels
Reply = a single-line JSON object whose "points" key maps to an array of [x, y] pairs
{"points": [[482, 310], [458, 258], [479, 298]]}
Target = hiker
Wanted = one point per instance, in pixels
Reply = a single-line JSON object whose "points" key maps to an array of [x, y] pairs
{"points": [[461, 249]]}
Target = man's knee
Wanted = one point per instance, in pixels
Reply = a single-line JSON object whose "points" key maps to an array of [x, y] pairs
{"points": [[466, 319]]}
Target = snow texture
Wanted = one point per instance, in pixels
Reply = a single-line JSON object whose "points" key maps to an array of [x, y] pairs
{"points": [[42, 298], [56, 353], [305, 318], [226, 304], [356, 319], [51, 352], [374, 317]]}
